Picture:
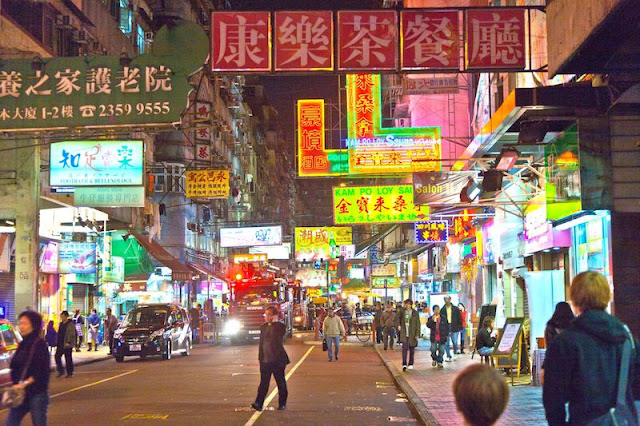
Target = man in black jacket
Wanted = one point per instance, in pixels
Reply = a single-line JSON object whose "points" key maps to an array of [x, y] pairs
{"points": [[273, 358], [454, 318]]}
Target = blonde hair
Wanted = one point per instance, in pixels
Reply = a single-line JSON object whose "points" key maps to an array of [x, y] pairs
{"points": [[590, 290]]}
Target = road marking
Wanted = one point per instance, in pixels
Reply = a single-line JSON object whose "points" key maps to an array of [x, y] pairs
{"points": [[93, 384], [363, 408], [401, 400], [401, 419], [274, 392], [145, 417]]}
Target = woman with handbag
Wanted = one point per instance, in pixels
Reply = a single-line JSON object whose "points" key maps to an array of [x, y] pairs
{"points": [[30, 367]]}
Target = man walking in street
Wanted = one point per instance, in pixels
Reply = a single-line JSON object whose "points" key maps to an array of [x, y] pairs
{"points": [[110, 326], [454, 319], [78, 322], [94, 325], [66, 343], [332, 329], [409, 331], [388, 319], [273, 358], [377, 322]]}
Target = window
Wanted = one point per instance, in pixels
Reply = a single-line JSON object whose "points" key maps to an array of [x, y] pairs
{"points": [[140, 39], [126, 17], [169, 178]]}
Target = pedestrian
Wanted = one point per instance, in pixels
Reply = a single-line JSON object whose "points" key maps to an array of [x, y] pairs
{"points": [[332, 329], [348, 315], [454, 319], [273, 358], [110, 326], [30, 366], [439, 328], [409, 331], [561, 319], [78, 322], [481, 395], [583, 362], [51, 336], [66, 343], [94, 326], [486, 340], [194, 317], [377, 322], [388, 319], [463, 332]]}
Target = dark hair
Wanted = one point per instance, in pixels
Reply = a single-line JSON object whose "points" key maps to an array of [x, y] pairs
{"points": [[486, 322], [94, 310], [433, 308], [463, 307], [64, 313], [273, 310], [408, 301], [481, 394], [35, 319], [562, 316]]}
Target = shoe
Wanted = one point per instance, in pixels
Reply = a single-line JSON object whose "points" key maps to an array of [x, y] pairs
{"points": [[440, 365], [68, 376], [385, 349], [448, 359], [410, 367], [282, 407], [462, 352], [330, 360], [255, 407], [60, 375], [404, 368], [336, 357], [434, 363]]}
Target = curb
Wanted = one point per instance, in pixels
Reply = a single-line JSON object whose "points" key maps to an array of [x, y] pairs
{"points": [[423, 413], [319, 343], [84, 362]]}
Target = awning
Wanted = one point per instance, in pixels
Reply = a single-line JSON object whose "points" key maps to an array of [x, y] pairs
{"points": [[207, 272], [360, 247], [410, 251], [179, 271]]}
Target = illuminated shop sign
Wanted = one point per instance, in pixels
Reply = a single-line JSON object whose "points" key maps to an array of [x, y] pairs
{"points": [[432, 231], [321, 243], [252, 236]]}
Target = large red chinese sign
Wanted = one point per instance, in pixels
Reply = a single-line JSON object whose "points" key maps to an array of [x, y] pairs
{"points": [[495, 38], [463, 227], [303, 41], [312, 158], [430, 39], [241, 41], [367, 40]]}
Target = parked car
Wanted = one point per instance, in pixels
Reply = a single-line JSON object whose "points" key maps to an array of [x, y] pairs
{"points": [[154, 329], [9, 341]]}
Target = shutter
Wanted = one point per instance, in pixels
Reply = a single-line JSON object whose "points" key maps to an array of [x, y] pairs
{"points": [[7, 293]]}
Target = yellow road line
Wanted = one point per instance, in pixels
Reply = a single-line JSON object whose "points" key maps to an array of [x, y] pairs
{"points": [[274, 392]]}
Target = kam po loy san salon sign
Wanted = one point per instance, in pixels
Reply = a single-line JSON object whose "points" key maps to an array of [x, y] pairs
{"points": [[372, 40], [103, 91], [96, 163]]}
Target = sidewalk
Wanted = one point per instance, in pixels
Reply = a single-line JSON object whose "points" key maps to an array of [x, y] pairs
{"points": [[429, 389], [84, 357]]}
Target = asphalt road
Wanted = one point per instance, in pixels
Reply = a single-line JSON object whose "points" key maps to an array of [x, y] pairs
{"points": [[216, 385]]}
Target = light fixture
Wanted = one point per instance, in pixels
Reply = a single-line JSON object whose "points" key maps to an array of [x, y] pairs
{"points": [[507, 159], [342, 184], [10, 222], [573, 220]]}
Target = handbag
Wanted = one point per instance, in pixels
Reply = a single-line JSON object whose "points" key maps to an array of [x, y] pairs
{"points": [[621, 414], [13, 397], [324, 345]]}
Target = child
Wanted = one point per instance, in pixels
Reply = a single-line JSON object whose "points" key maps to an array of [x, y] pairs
{"points": [[481, 395], [51, 336], [438, 336]]}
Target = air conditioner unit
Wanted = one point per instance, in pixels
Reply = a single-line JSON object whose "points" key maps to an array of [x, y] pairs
{"points": [[80, 37]]}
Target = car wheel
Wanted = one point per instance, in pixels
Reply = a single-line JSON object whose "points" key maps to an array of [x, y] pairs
{"points": [[119, 358], [187, 349], [167, 354]]}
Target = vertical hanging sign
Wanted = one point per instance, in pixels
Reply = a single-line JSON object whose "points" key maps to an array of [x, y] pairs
{"points": [[430, 39], [303, 41], [241, 41], [367, 40], [495, 38]]}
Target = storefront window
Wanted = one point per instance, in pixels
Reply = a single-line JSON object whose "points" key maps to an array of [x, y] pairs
{"points": [[591, 245]]}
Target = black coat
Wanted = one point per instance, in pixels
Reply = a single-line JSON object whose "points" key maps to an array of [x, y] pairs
{"points": [[444, 329], [484, 339], [39, 368], [276, 341], [456, 317], [581, 368]]}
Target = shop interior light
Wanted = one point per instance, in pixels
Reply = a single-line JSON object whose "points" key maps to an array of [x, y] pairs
{"points": [[507, 159], [573, 220]]}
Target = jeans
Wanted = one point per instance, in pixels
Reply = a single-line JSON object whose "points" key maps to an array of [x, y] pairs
{"points": [[486, 351], [407, 348], [78, 342], [266, 370], [68, 360], [436, 352], [388, 335], [379, 334], [462, 334], [36, 405], [333, 340], [453, 337]]}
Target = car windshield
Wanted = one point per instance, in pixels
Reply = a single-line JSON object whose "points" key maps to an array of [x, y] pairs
{"points": [[145, 317], [257, 295]]}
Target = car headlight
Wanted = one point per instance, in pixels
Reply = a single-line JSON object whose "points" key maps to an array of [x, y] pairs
{"points": [[156, 334], [232, 327]]}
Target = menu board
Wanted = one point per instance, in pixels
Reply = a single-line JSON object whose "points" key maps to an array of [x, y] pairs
{"points": [[510, 337]]}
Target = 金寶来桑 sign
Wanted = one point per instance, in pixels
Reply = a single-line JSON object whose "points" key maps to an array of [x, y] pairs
{"points": [[315, 243], [207, 184], [251, 236], [109, 196], [96, 163], [431, 231], [376, 204]]}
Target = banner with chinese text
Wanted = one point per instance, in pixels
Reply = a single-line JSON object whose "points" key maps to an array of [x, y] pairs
{"points": [[109, 196], [376, 204], [389, 282], [495, 38], [432, 231], [241, 41], [303, 41], [315, 243], [430, 39], [76, 258], [367, 40], [207, 184]]}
